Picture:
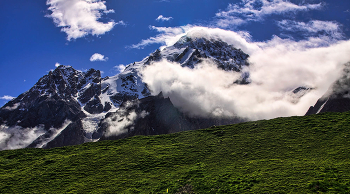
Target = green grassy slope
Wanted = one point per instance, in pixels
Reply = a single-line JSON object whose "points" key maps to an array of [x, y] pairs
{"points": [[284, 155]]}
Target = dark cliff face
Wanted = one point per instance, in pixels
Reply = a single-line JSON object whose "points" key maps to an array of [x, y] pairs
{"points": [[154, 115], [330, 105], [337, 98], [72, 134]]}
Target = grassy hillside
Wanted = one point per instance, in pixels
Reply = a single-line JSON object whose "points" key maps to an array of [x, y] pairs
{"points": [[283, 155]]}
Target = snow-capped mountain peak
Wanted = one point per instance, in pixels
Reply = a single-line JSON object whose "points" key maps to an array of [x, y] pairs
{"points": [[65, 106], [190, 51]]}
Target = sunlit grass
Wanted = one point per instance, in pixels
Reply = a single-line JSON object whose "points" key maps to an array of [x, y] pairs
{"points": [[283, 155]]}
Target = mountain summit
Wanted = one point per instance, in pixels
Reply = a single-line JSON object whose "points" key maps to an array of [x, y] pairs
{"points": [[69, 107], [58, 101]]}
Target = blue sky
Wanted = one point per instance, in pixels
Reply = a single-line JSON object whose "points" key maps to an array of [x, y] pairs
{"points": [[36, 35]]}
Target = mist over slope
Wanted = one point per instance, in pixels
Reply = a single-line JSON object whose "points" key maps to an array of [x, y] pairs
{"points": [[337, 98], [66, 106], [276, 68], [207, 76]]}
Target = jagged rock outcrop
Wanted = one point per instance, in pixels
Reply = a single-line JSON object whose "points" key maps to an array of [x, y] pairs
{"points": [[55, 99], [50, 101]]}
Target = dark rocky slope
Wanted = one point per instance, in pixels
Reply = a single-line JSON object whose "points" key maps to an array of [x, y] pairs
{"points": [[154, 115], [337, 98]]}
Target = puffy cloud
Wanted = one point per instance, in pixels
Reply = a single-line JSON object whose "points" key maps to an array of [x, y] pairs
{"points": [[79, 18], [98, 57], [6, 97], [162, 18], [277, 67], [57, 64], [120, 68], [170, 35], [314, 27], [17, 137], [255, 10], [124, 121], [121, 22], [13, 107], [167, 36]]}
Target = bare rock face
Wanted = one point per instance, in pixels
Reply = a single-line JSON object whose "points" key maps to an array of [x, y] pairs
{"points": [[337, 98], [121, 97], [94, 106], [73, 134], [330, 105], [152, 115]]}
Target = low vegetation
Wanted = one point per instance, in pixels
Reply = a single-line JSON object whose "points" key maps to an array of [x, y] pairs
{"points": [[308, 154]]}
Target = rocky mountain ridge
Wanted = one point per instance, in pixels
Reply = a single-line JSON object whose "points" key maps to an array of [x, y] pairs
{"points": [[70, 107]]}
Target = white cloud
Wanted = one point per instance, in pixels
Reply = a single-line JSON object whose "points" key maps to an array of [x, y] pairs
{"points": [[125, 116], [277, 67], [120, 68], [170, 35], [167, 36], [98, 57], [119, 122], [227, 21], [57, 64], [13, 107], [162, 18], [124, 121], [79, 18], [255, 10], [121, 22], [17, 137], [332, 29], [7, 97]]}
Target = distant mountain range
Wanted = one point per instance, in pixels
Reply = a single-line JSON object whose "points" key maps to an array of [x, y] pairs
{"points": [[70, 107]]}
